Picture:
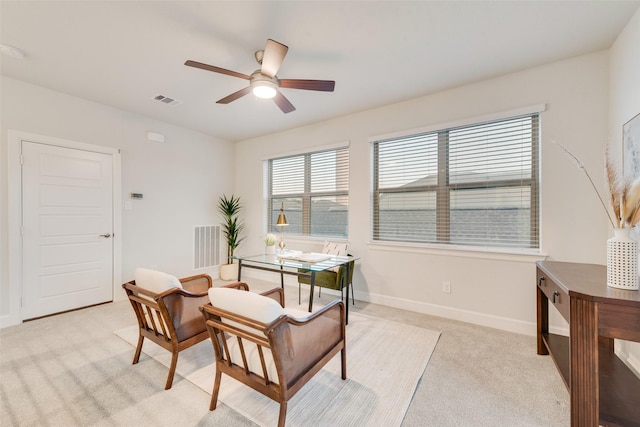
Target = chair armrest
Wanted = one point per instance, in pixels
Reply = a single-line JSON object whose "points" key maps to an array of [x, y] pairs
{"points": [[132, 289], [237, 285], [334, 306], [181, 292], [276, 294], [197, 284]]}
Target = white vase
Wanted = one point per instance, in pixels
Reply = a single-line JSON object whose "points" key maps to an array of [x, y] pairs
{"points": [[622, 260], [270, 249]]}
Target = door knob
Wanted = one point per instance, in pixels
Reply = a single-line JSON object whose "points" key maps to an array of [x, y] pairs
{"points": [[106, 236]]}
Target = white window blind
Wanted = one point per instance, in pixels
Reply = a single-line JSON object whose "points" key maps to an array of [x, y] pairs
{"points": [[470, 185], [314, 190]]}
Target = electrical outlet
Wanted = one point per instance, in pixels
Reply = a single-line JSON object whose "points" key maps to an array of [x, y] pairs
{"points": [[446, 287]]}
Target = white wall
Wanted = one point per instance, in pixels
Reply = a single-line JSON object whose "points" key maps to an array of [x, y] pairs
{"points": [[491, 289], [624, 103], [181, 179]]}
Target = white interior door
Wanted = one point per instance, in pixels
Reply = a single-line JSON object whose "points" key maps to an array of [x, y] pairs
{"points": [[67, 207]]}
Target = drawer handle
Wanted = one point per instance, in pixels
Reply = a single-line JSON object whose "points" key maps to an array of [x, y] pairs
{"points": [[556, 294], [540, 280]]}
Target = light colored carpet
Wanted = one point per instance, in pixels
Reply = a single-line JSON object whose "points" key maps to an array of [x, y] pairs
{"points": [[385, 361], [72, 370]]}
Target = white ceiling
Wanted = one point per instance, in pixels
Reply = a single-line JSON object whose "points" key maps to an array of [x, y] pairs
{"points": [[122, 53]]}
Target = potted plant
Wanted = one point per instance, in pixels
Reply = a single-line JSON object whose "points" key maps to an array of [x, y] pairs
{"points": [[270, 242], [232, 226]]}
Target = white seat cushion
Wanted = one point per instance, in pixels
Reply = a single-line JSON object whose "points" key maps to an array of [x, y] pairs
{"points": [[155, 281], [297, 313], [247, 304]]}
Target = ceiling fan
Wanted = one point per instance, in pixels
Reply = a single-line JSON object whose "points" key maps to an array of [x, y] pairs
{"points": [[263, 82]]}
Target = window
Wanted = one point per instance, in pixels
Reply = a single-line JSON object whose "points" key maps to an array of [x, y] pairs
{"points": [[313, 188], [473, 185]]}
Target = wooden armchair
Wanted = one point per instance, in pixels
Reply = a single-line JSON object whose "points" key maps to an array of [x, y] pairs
{"points": [[168, 312], [259, 344]]}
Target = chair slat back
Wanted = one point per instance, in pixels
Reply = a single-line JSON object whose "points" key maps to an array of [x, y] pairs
{"points": [[149, 313], [247, 332]]}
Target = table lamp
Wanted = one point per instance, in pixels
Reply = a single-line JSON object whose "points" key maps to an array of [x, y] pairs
{"points": [[281, 222]]}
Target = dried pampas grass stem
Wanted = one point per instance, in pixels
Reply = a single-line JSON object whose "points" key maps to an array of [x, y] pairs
{"points": [[580, 165], [616, 189], [632, 204]]}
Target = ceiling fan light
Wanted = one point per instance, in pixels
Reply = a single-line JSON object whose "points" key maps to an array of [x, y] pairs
{"points": [[265, 90]]}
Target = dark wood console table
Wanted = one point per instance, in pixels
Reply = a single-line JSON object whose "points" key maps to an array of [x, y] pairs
{"points": [[604, 391]]}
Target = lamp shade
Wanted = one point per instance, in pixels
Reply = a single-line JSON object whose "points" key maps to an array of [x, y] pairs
{"points": [[282, 219]]}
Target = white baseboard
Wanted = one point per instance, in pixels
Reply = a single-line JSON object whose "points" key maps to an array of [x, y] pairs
{"points": [[482, 319], [628, 358], [8, 320], [476, 318]]}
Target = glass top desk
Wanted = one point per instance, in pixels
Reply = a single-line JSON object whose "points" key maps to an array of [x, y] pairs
{"points": [[290, 262]]}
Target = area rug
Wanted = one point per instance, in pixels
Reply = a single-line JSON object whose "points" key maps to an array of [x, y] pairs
{"points": [[385, 361]]}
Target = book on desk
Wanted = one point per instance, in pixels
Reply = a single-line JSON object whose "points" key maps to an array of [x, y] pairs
{"points": [[307, 257]]}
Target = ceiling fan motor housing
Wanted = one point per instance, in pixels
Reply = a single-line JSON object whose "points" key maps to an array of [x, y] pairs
{"points": [[263, 86], [258, 78]]}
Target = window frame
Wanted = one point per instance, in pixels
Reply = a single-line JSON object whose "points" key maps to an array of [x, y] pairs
{"points": [[443, 188], [306, 195]]}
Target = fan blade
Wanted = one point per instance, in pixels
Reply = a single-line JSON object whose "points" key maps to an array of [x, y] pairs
{"points": [[322, 85], [207, 67], [283, 103], [234, 95], [272, 58]]}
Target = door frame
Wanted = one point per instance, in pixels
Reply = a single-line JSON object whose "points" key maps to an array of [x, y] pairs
{"points": [[14, 211]]}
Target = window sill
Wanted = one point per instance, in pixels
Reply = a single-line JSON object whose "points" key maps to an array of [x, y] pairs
{"points": [[518, 255]]}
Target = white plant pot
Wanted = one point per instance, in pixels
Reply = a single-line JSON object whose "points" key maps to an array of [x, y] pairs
{"points": [[229, 272], [622, 260], [270, 249]]}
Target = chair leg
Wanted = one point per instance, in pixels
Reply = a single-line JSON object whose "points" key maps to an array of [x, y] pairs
{"points": [[283, 414], [136, 356], [216, 389], [343, 359], [353, 297], [172, 370]]}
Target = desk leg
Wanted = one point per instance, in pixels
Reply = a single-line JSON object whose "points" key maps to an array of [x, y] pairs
{"points": [[313, 282], [281, 277], [346, 279], [239, 269]]}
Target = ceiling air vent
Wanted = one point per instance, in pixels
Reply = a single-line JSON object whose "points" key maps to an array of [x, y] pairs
{"points": [[166, 100]]}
